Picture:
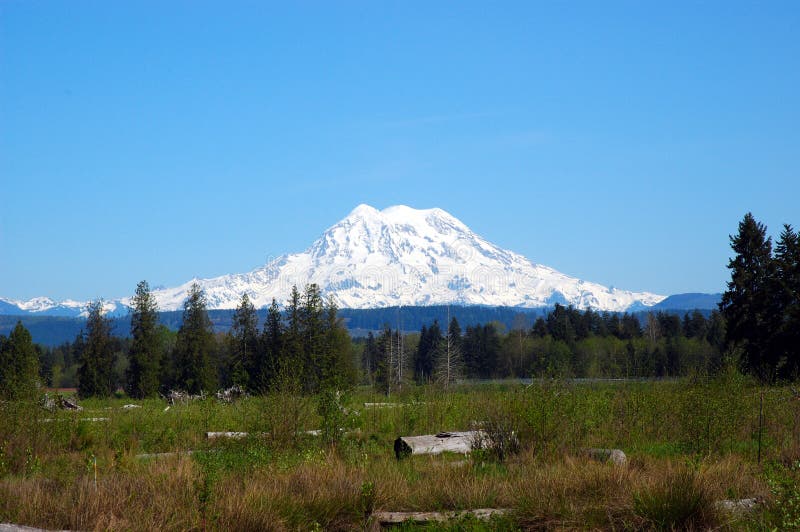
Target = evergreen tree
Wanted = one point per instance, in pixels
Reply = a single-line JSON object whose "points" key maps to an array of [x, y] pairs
{"points": [[786, 301], [338, 371], [631, 328], [560, 326], [369, 357], [539, 328], [746, 303], [695, 325], [312, 333], [669, 325], [481, 347], [291, 363], [612, 325], [195, 346], [429, 341], [268, 355], [245, 345], [145, 354], [19, 365], [97, 357]]}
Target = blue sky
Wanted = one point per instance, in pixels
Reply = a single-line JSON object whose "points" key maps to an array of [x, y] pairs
{"points": [[619, 142]]}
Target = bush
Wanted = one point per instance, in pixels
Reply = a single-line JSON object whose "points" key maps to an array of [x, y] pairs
{"points": [[784, 485]]}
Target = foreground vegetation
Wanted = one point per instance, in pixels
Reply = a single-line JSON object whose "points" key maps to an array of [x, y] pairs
{"points": [[690, 444]]}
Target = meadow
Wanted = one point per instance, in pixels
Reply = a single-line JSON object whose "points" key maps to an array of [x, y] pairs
{"points": [[690, 443]]}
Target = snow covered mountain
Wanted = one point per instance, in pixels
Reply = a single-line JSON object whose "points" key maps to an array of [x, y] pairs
{"points": [[44, 306], [400, 256]]}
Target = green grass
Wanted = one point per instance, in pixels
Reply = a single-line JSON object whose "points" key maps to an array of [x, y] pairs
{"points": [[683, 438]]}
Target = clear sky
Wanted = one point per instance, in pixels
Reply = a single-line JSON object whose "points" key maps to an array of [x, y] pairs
{"points": [[619, 142]]}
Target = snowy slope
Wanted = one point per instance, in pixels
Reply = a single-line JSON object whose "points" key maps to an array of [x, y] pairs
{"points": [[404, 256], [44, 306]]}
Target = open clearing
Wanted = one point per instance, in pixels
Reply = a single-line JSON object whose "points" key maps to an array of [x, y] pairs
{"points": [[691, 446]]}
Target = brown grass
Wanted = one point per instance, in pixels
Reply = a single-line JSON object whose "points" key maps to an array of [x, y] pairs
{"points": [[571, 493]]}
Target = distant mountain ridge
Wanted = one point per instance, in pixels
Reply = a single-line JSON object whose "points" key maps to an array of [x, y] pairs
{"points": [[690, 301], [399, 256]]}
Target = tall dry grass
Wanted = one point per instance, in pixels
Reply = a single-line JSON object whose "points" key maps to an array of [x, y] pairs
{"points": [[327, 493], [690, 443]]}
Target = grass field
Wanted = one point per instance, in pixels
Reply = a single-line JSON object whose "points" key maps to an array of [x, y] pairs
{"points": [[690, 444]]}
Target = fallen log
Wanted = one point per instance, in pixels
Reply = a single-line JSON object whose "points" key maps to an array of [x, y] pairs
{"points": [[10, 527], [389, 405], [614, 456], [232, 394], [92, 419], [58, 402], [454, 442], [741, 506], [394, 518], [233, 435], [240, 435]]}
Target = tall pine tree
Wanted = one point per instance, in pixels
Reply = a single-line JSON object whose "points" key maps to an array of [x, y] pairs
{"points": [[195, 345], [746, 303], [19, 365], [291, 362], [97, 357], [145, 355], [786, 301], [312, 332], [245, 345], [270, 351], [339, 371]]}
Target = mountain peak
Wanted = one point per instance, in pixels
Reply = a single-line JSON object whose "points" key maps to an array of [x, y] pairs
{"points": [[405, 256], [363, 210]]}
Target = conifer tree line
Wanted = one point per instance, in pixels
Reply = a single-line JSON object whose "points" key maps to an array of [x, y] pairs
{"points": [[757, 328], [761, 305], [565, 343], [304, 346]]}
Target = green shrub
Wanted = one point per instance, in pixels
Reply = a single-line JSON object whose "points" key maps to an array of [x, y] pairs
{"points": [[784, 485]]}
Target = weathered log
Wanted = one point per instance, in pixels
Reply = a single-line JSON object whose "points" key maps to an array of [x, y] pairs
{"points": [[91, 419], [130, 407], [234, 435], [741, 506], [240, 435], [454, 442], [393, 518], [389, 405], [614, 456], [58, 402], [381, 405], [179, 396], [229, 395], [10, 527]]}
